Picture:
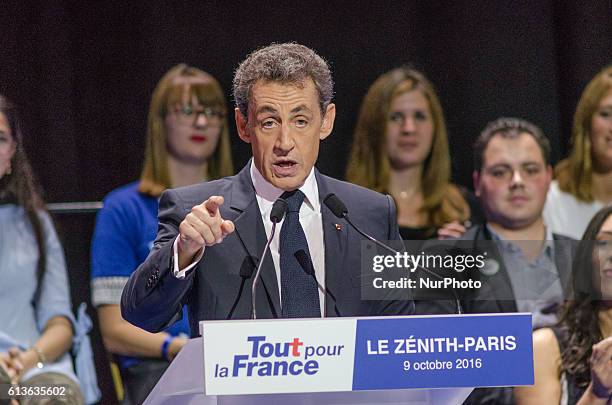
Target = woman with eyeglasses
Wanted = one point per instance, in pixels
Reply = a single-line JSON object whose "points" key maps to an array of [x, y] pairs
{"points": [[187, 142]]}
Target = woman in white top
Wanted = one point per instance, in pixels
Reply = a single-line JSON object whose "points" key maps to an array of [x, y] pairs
{"points": [[583, 182]]}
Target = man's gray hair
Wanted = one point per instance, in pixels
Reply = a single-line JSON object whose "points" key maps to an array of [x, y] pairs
{"points": [[288, 63]]}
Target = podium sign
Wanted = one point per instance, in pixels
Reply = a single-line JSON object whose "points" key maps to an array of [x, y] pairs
{"points": [[378, 353]]}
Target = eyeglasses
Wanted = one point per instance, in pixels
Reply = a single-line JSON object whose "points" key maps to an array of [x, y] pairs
{"points": [[192, 115]]}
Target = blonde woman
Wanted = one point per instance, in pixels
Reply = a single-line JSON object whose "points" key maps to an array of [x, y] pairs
{"points": [[187, 143], [400, 147], [583, 182]]}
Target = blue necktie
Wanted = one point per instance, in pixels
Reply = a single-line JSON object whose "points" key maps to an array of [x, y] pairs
{"points": [[299, 293]]}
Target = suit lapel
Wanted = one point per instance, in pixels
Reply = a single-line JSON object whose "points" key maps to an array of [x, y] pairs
{"points": [[500, 281], [336, 242], [251, 232]]}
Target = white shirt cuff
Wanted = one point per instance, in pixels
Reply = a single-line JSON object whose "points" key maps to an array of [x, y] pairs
{"points": [[180, 273]]}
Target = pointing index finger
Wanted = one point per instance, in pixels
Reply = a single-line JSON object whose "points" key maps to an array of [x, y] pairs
{"points": [[213, 203]]}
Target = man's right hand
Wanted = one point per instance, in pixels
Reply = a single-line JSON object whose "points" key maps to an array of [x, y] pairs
{"points": [[203, 226]]}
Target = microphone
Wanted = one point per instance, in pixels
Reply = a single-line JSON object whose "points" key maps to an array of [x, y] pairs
{"points": [[246, 271], [306, 264], [276, 215], [337, 207]]}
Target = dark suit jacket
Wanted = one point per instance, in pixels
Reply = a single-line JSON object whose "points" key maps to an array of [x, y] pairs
{"points": [[219, 287], [496, 294]]}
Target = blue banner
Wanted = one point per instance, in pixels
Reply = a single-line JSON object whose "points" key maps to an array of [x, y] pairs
{"points": [[461, 351]]}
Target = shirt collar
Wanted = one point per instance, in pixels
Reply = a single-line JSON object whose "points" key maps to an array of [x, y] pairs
{"points": [[548, 247], [270, 193]]}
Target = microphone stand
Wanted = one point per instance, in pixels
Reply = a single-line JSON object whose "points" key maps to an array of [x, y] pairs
{"points": [[276, 215], [338, 208]]}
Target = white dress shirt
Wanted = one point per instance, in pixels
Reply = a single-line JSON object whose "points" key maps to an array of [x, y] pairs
{"points": [[310, 219]]}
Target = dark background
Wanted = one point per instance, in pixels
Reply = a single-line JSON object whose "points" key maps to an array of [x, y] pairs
{"points": [[82, 73]]}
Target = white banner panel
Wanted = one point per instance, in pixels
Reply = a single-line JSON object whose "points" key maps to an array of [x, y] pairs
{"points": [[278, 356]]}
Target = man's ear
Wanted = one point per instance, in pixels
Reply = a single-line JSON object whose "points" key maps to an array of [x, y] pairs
{"points": [[328, 121], [476, 182], [241, 126], [549, 173]]}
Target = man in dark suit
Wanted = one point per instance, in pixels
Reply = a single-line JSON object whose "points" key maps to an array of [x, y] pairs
{"points": [[528, 268], [211, 235]]}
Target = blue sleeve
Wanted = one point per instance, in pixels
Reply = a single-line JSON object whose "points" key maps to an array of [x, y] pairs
{"points": [[54, 294], [113, 253], [123, 237]]}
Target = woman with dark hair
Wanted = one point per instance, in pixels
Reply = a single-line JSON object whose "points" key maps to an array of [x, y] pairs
{"points": [[36, 323], [187, 142], [400, 147], [573, 361], [583, 182]]}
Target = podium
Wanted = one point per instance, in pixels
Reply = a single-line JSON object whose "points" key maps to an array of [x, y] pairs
{"points": [[381, 368]]}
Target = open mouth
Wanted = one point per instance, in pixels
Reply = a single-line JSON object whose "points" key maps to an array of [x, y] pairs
{"points": [[283, 168]]}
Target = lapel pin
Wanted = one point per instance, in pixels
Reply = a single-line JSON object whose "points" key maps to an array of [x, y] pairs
{"points": [[490, 268], [338, 227]]}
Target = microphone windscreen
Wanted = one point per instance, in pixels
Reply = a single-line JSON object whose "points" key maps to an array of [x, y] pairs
{"points": [[335, 205], [278, 210], [305, 263]]}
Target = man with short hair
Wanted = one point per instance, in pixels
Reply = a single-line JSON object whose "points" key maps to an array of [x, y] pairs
{"points": [[211, 235], [527, 267], [512, 174]]}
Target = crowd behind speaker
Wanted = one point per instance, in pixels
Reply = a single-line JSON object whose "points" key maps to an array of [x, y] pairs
{"points": [[400, 147]]}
